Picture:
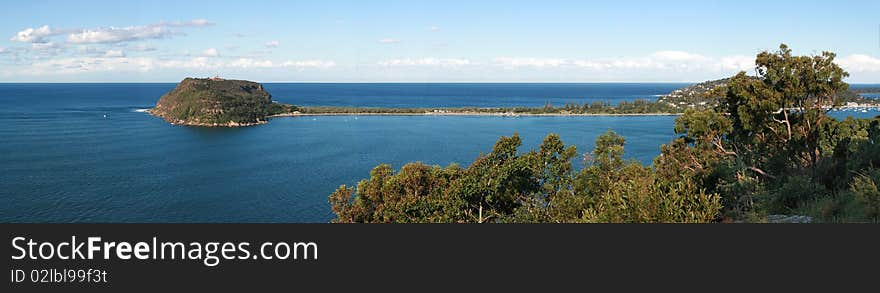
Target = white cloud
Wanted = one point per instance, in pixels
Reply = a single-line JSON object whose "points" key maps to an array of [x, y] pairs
{"points": [[272, 44], [636, 63], [117, 62], [114, 54], [662, 61], [679, 56], [88, 50], [430, 61], [194, 23], [434, 28], [119, 34], [41, 37], [35, 35], [737, 63], [389, 41], [132, 33], [144, 48], [194, 63], [260, 63], [321, 64], [860, 63], [89, 64], [251, 63], [258, 53], [591, 64], [45, 46], [3, 50], [514, 62], [210, 52], [244, 63]]}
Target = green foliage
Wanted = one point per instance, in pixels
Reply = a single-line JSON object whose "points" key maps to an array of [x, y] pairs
{"points": [[210, 102], [864, 187], [776, 116], [794, 191], [414, 194], [629, 192], [622, 108], [647, 200], [538, 186], [705, 128], [769, 147]]}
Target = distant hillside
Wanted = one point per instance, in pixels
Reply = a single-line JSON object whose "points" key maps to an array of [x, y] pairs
{"points": [[867, 90], [218, 102], [694, 96], [698, 95]]}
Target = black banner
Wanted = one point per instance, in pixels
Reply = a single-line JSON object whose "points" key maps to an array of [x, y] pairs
{"points": [[438, 257]]}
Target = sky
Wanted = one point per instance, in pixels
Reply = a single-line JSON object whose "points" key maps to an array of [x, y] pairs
{"points": [[426, 41]]}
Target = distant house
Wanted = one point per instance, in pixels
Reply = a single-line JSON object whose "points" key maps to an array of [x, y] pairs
{"points": [[216, 78]]}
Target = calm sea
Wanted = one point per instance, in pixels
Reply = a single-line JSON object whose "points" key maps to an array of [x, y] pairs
{"points": [[87, 152]]}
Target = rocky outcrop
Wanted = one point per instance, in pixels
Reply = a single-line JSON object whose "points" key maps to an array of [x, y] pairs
{"points": [[218, 102], [791, 219]]}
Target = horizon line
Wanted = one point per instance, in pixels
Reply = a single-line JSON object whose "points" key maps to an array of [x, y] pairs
{"points": [[8, 82], [413, 82]]}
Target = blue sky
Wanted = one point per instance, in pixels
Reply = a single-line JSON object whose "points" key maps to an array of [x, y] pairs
{"points": [[437, 41]]}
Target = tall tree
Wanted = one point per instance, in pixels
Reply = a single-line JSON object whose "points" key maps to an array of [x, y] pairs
{"points": [[780, 110]]}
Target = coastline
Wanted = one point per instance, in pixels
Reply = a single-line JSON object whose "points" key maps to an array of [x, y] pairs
{"points": [[186, 123], [491, 114], [469, 113]]}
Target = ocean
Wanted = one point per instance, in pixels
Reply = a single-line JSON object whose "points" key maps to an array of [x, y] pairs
{"points": [[88, 152]]}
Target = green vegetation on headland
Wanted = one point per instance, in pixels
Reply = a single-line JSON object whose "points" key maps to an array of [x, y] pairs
{"points": [[230, 103], [595, 108], [768, 151], [867, 90], [218, 102], [705, 95]]}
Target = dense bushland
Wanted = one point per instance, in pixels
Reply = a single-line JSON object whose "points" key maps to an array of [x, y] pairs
{"points": [[769, 147]]}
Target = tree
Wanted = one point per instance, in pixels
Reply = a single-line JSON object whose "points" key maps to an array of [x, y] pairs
{"points": [[777, 114], [537, 186], [768, 147]]}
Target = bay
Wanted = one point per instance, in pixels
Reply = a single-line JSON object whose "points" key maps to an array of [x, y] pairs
{"points": [[88, 152]]}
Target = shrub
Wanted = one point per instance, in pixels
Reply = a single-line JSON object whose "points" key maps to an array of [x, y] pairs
{"points": [[792, 193], [866, 193]]}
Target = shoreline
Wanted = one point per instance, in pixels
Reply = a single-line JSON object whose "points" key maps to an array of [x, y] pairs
{"points": [[489, 114], [199, 124], [467, 113]]}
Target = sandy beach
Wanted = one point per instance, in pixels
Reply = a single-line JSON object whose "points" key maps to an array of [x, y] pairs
{"points": [[497, 114]]}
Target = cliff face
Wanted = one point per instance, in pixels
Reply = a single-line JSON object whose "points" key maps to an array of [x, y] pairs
{"points": [[217, 102]]}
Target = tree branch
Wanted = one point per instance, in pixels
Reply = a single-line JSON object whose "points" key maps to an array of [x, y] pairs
{"points": [[759, 171]]}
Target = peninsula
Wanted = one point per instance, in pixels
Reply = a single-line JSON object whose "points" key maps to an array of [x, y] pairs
{"points": [[217, 102]]}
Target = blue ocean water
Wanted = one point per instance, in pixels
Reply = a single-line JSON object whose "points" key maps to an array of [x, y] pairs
{"points": [[411, 95], [867, 95], [87, 153]]}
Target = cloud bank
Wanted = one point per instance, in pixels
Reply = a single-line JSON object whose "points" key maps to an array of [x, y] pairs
{"points": [[111, 34], [53, 52]]}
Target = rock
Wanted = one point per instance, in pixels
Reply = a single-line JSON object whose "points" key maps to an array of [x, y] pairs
{"points": [[795, 219], [218, 102]]}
